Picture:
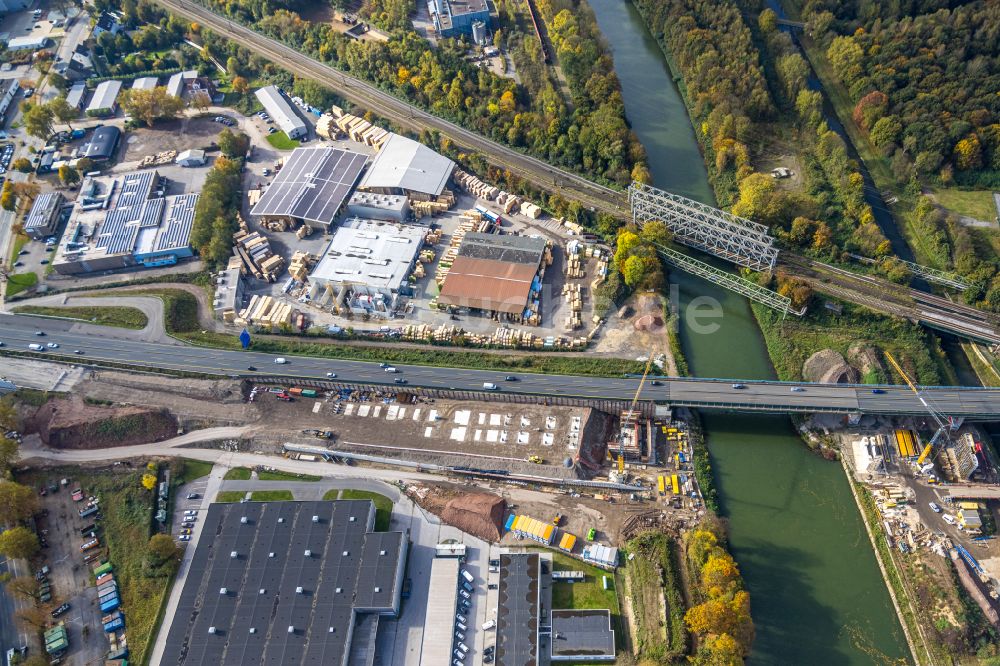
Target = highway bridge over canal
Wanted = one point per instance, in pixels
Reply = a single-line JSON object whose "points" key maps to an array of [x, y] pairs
{"points": [[610, 393]]}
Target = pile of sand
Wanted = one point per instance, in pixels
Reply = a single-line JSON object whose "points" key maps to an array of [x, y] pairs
{"points": [[479, 514], [648, 322]]}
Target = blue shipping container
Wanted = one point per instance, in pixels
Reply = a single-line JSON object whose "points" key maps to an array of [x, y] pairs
{"points": [[509, 523], [114, 625], [108, 597], [109, 606]]}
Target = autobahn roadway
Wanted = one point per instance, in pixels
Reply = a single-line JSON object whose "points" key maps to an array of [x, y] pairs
{"points": [[404, 114], [17, 332]]}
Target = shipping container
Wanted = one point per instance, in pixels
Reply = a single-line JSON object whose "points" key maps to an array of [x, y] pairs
{"points": [[89, 511], [110, 605], [87, 545], [107, 588], [661, 484], [88, 529], [675, 484], [103, 569], [295, 390], [107, 596], [308, 393], [114, 625]]}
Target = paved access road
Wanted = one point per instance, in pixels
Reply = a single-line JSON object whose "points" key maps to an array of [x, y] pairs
{"points": [[18, 331]]}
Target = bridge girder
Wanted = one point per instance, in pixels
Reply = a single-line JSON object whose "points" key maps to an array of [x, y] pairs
{"points": [[705, 228], [729, 281]]}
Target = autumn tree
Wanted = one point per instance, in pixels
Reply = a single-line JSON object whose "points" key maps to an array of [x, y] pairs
{"points": [[18, 543], [22, 164], [7, 199], [162, 550], [870, 109], [17, 502], [23, 586], [233, 144], [767, 21], [37, 119], [968, 153], [8, 454], [151, 105], [9, 419], [148, 481], [63, 111], [68, 175], [240, 85]]}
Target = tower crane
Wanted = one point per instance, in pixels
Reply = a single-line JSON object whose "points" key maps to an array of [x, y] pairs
{"points": [[630, 415], [944, 422]]}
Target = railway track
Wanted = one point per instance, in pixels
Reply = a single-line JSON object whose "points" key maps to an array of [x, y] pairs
{"points": [[879, 295], [596, 196]]}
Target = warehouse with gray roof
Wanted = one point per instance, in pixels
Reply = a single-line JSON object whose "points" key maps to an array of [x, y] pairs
{"points": [[282, 112], [405, 166], [43, 219], [104, 102], [287, 583]]}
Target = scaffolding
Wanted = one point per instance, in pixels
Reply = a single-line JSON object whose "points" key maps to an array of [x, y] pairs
{"points": [[705, 228]]}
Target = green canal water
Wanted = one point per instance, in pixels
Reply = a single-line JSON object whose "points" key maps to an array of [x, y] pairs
{"points": [[816, 591]]}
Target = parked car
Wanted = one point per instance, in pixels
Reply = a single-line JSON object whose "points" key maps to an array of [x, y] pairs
{"points": [[61, 610], [185, 537]]}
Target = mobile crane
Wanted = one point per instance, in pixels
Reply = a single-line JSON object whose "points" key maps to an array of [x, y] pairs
{"points": [[944, 422], [630, 415]]}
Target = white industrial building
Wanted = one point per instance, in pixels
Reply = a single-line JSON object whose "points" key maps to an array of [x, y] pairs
{"points": [[407, 167], [192, 157], [8, 90], [28, 43], [366, 266], [104, 102], [145, 83], [394, 207], [282, 112]]}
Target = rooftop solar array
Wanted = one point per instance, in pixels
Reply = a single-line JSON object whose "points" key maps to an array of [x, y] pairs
{"points": [[135, 220], [311, 185], [176, 229], [279, 583], [42, 210], [517, 618]]}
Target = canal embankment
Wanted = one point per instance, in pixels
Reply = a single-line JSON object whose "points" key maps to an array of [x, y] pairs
{"points": [[792, 527]]}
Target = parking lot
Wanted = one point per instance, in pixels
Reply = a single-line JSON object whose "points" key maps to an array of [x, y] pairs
{"points": [[69, 575]]}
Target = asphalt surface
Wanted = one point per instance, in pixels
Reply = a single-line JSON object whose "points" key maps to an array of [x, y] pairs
{"points": [[17, 332]]}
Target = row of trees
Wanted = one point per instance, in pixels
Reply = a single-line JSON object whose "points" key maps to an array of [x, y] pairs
{"points": [[594, 139], [726, 90], [215, 214], [720, 612], [925, 88], [18, 503]]}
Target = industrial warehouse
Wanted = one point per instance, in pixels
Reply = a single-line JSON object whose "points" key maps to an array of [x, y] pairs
{"points": [[498, 275], [118, 222], [366, 265], [311, 187], [287, 583]]}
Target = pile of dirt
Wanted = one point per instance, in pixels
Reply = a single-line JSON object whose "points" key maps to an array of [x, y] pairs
{"points": [[828, 367], [479, 514], [867, 360], [648, 322], [72, 423]]}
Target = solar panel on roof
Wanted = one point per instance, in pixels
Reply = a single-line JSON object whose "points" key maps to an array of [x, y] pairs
{"points": [[312, 185]]}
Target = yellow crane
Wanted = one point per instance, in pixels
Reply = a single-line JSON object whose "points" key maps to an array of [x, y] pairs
{"points": [[630, 415], [943, 422]]}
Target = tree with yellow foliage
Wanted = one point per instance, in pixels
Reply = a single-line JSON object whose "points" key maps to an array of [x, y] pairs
{"points": [[148, 481]]}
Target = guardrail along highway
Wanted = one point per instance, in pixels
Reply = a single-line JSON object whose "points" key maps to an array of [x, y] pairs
{"points": [[17, 332]]}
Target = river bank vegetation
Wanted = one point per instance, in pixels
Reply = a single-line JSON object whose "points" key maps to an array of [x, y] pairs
{"points": [[914, 84], [752, 102]]}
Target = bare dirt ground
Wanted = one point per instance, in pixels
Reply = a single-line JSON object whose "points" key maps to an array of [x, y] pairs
{"points": [[179, 134], [75, 424], [635, 329]]}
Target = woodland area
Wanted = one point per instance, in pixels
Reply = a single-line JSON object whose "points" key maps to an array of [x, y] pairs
{"points": [[592, 137], [924, 76]]}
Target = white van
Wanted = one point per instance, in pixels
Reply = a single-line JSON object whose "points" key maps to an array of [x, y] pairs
{"points": [[280, 360], [36, 347], [467, 576], [489, 625], [489, 386], [391, 369]]}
